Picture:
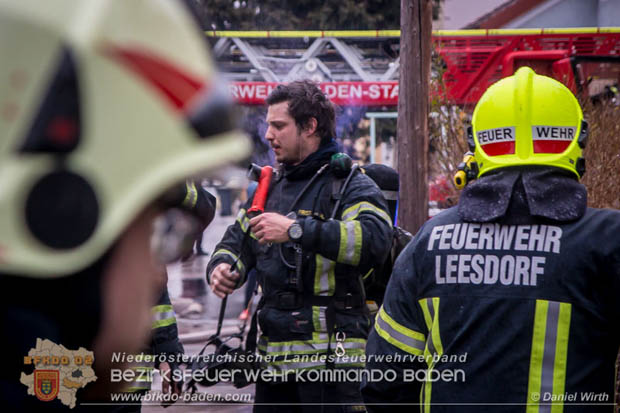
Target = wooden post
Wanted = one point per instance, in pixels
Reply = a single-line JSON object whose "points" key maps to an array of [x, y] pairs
{"points": [[413, 107]]}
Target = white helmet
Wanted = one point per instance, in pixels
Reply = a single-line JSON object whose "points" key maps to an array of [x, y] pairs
{"points": [[104, 104]]}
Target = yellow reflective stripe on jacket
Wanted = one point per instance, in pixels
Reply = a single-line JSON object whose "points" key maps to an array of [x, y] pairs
{"points": [[324, 277], [162, 316], [292, 367], [244, 222], [350, 249], [354, 211], [143, 376], [300, 355], [191, 195], [234, 256], [548, 358], [142, 379], [400, 336], [307, 346], [352, 355], [430, 309], [319, 321], [561, 353]]}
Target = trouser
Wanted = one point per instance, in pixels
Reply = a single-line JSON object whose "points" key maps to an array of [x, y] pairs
{"points": [[226, 199], [302, 397]]}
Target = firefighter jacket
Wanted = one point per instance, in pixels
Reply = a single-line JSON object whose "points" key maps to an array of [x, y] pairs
{"points": [[507, 302], [164, 345], [302, 302]]}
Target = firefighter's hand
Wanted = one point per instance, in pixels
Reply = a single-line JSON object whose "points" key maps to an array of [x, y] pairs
{"points": [[223, 281], [271, 227], [168, 384]]}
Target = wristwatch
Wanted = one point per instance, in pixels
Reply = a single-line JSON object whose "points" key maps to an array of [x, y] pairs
{"points": [[295, 231]]}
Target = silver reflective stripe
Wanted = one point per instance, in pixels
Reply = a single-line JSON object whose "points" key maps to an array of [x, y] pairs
{"points": [[306, 365], [294, 347], [319, 322], [546, 377], [408, 341], [231, 254], [163, 316], [323, 321], [141, 370], [350, 248], [294, 366], [140, 384], [243, 220], [141, 365], [548, 357], [286, 348], [320, 338], [431, 310], [324, 274], [324, 281], [351, 244]]}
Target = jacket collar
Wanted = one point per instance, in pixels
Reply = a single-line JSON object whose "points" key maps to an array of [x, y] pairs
{"points": [[515, 194], [312, 163]]}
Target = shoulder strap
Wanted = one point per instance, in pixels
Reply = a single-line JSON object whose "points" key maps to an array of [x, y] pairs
{"points": [[339, 186], [250, 340]]}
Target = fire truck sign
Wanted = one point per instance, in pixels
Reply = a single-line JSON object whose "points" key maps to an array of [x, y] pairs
{"points": [[341, 93]]}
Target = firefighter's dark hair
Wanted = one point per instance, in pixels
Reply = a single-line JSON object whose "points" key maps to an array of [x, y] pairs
{"points": [[305, 101]]}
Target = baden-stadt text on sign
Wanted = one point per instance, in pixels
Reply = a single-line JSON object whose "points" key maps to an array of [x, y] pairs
{"points": [[341, 93]]}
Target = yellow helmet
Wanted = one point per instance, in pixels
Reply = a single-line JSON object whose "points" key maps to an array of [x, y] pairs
{"points": [[104, 105], [528, 119]]}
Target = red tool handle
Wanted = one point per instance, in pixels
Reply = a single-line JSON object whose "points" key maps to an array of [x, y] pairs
{"points": [[260, 196]]}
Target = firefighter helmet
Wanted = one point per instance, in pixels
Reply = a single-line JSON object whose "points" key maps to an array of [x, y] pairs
{"points": [[104, 105], [528, 119]]}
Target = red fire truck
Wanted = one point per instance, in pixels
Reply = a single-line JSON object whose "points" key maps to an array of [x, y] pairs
{"points": [[360, 68], [585, 60]]}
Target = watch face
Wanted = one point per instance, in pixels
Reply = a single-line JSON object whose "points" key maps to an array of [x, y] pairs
{"points": [[295, 231]]}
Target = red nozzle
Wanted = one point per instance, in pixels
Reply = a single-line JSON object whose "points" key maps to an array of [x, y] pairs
{"points": [[260, 196]]}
